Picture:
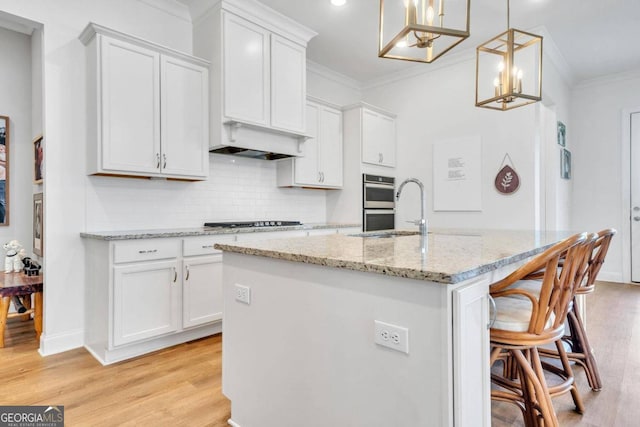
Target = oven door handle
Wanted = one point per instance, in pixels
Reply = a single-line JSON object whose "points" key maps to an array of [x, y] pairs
{"points": [[382, 186]]}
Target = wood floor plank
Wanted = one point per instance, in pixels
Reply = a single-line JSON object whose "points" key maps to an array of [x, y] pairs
{"points": [[182, 385]]}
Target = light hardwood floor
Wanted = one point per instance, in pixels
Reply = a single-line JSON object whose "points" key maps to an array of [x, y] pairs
{"points": [[181, 386]]}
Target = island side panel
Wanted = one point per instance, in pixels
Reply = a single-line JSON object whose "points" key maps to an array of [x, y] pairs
{"points": [[303, 351]]}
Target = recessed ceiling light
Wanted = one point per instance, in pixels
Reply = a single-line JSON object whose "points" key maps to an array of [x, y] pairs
{"points": [[338, 2]]}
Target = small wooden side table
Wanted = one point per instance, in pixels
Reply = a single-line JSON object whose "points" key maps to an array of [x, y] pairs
{"points": [[22, 286]]}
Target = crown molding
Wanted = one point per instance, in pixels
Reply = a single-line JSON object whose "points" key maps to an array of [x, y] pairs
{"points": [[551, 52], [18, 24], [608, 78], [421, 69], [334, 76], [257, 13], [171, 7]]}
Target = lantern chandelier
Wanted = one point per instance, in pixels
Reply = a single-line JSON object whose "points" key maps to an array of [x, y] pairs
{"points": [[509, 70], [417, 32]]}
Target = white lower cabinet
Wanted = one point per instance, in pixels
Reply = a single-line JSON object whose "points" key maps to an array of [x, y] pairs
{"points": [[201, 290], [145, 300], [472, 381], [146, 294]]}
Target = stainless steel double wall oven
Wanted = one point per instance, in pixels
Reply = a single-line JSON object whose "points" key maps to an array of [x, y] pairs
{"points": [[378, 202]]}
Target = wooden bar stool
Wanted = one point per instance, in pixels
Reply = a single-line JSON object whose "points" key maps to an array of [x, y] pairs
{"points": [[525, 321], [21, 286], [581, 351]]}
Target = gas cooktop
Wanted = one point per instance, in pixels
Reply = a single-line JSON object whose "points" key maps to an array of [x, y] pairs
{"points": [[249, 224]]}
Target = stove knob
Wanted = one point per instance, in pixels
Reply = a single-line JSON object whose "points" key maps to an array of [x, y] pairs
{"points": [[279, 223], [272, 223]]}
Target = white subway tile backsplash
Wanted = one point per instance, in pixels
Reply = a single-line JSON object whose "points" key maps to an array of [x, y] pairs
{"points": [[237, 189]]}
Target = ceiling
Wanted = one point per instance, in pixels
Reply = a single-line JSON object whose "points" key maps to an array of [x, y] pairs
{"points": [[595, 37]]}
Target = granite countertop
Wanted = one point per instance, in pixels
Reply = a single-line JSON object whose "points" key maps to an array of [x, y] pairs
{"points": [[202, 231], [445, 256]]}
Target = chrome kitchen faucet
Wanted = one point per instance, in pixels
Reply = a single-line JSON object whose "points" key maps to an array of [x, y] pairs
{"points": [[422, 222]]}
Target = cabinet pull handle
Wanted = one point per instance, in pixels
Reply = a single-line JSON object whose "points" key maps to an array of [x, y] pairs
{"points": [[319, 177], [164, 159], [148, 251], [187, 267], [207, 246], [493, 308], [175, 275], [157, 160]]}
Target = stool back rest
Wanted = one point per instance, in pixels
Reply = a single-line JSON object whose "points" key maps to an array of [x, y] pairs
{"points": [[596, 260], [557, 286], [576, 268]]}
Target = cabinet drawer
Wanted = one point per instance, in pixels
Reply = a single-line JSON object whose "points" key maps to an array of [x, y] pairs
{"points": [[204, 245], [144, 250]]}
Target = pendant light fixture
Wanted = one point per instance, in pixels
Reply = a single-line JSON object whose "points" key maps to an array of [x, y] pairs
{"points": [[414, 30], [509, 70]]}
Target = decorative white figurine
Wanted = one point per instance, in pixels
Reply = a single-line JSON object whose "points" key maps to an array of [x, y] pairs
{"points": [[12, 261]]}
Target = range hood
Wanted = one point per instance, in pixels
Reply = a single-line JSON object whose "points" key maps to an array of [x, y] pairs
{"points": [[257, 142]]}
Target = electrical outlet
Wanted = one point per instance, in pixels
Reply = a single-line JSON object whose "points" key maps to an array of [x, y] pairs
{"points": [[243, 294], [392, 336]]}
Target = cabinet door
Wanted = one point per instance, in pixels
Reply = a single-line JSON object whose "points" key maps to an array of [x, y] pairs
{"points": [[202, 290], [471, 371], [246, 71], [306, 168], [288, 85], [130, 106], [185, 121], [378, 138], [145, 300], [330, 147], [387, 142]]}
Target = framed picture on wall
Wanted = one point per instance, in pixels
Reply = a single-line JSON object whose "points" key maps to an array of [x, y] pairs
{"points": [[562, 134], [38, 222], [565, 164], [37, 159]]}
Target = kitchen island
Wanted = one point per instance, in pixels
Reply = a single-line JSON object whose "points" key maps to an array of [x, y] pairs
{"points": [[374, 329]]}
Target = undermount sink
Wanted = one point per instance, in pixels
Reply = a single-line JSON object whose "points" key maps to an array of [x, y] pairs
{"points": [[386, 234]]}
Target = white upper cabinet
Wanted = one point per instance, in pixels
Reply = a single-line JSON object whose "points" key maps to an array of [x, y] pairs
{"points": [[185, 118], [148, 108], [129, 103], [321, 167], [264, 78], [288, 85], [378, 138], [246, 71], [257, 80]]}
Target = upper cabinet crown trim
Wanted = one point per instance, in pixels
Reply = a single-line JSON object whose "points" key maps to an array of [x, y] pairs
{"points": [[259, 14], [92, 29], [369, 107]]}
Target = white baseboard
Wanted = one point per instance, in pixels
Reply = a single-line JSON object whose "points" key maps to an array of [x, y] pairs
{"points": [[232, 423], [610, 276], [58, 343]]}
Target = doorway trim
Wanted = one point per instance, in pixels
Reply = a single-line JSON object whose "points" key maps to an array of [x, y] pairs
{"points": [[625, 168]]}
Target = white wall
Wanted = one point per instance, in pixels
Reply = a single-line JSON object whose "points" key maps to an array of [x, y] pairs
{"points": [[64, 127], [238, 188], [597, 137], [15, 102], [432, 108]]}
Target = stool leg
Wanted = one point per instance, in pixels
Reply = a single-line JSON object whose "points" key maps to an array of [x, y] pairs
{"points": [[4, 311], [37, 321]]}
